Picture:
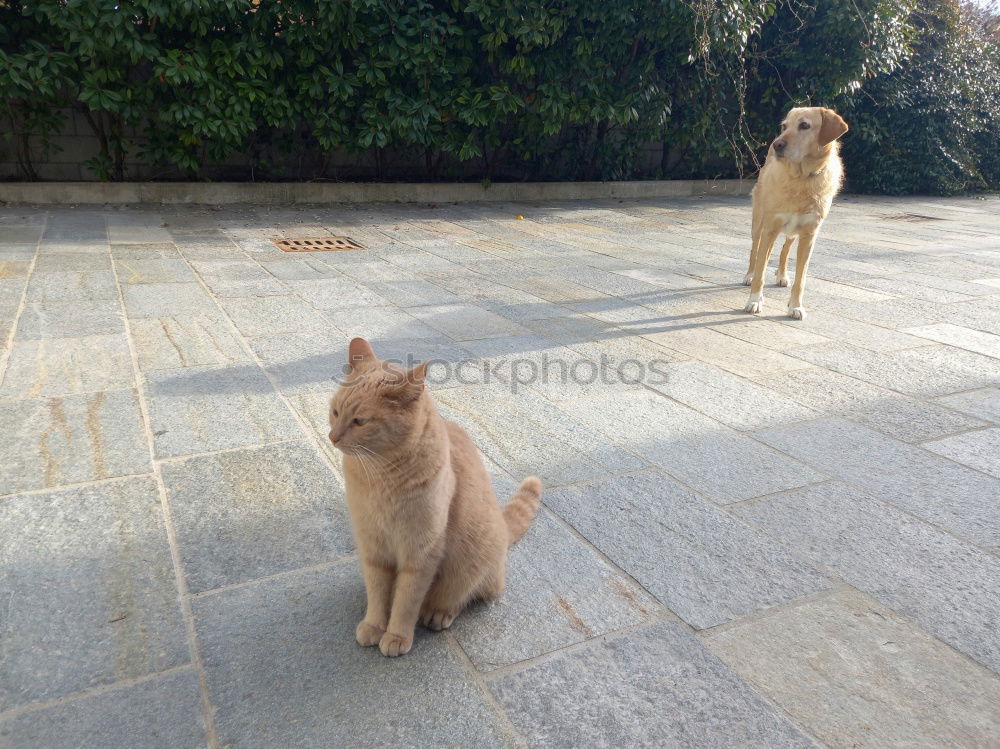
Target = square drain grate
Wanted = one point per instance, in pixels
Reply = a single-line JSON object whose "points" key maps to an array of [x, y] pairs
{"points": [[317, 244]]}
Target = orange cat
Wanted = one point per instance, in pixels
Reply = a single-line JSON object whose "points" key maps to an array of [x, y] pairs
{"points": [[429, 532]]}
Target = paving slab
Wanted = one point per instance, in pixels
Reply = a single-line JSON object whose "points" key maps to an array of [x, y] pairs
{"points": [[958, 499], [55, 263], [736, 356], [559, 592], [152, 270], [730, 399], [526, 434], [185, 340], [983, 404], [71, 286], [47, 442], [160, 713], [855, 674], [463, 322], [722, 464], [283, 669], [655, 687], [927, 371], [166, 299], [705, 566], [901, 416], [979, 450], [87, 601], [257, 316], [199, 409], [272, 509], [63, 366], [70, 319], [945, 586], [379, 323], [955, 335], [236, 278]]}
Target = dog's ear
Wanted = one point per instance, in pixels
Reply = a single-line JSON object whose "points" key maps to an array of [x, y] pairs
{"points": [[832, 128]]}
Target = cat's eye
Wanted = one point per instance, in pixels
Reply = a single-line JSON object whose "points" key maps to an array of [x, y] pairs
{"points": [[804, 126], [336, 413], [359, 421]]}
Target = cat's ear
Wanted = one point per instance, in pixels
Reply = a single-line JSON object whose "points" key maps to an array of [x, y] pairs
{"points": [[359, 352], [410, 385], [418, 374]]}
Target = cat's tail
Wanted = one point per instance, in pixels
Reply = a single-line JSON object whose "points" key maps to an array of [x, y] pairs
{"points": [[522, 508]]}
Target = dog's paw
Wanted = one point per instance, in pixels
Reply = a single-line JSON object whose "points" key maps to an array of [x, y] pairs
{"points": [[754, 304], [781, 280], [748, 279], [797, 313]]}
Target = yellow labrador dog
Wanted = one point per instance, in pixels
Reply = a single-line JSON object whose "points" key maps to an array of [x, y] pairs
{"points": [[793, 194]]}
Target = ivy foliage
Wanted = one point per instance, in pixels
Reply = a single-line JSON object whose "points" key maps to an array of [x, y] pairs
{"points": [[499, 89]]}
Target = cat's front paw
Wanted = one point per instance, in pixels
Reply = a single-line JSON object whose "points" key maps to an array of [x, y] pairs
{"points": [[368, 634], [392, 644], [437, 620]]}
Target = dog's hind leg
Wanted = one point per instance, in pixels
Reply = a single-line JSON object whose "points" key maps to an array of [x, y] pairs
{"points": [[795, 309], [781, 277]]}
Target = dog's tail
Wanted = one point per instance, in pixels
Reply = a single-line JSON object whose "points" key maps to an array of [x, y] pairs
{"points": [[522, 508]]}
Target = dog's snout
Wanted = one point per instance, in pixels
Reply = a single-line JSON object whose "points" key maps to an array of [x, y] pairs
{"points": [[779, 144]]}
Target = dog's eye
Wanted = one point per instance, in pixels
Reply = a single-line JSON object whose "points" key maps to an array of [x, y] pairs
{"points": [[359, 422], [804, 126]]}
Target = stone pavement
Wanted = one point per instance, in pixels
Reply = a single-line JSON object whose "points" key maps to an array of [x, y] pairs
{"points": [[756, 531]]}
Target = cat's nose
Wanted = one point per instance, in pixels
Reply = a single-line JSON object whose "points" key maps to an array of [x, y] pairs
{"points": [[333, 437]]}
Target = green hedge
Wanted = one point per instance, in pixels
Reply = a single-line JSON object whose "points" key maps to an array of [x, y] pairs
{"points": [[504, 89]]}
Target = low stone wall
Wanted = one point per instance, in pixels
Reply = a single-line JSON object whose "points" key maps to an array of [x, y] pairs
{"points": [[224, 193]]}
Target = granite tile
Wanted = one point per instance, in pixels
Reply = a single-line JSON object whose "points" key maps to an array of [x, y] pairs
{"points": [[283, 669], [979, 450], [245, 514], [185, 340], [945, 586], [927, 371], [705, 566], [153, 270], [48, 320], [854, 674], [983, 404], [724, 465], [166, 299], [656, 687], [67, 440], [527, 435], [464, 322], [987, 344], [886, 411], [89, 591], [63, 366], [734, 401], [558, 592], [259, 316], [162, 713], [959, 499], [199, 409]]}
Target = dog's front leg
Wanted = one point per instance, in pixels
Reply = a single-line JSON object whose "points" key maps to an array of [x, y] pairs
{"points": [[762, 252], [806, 241]]}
